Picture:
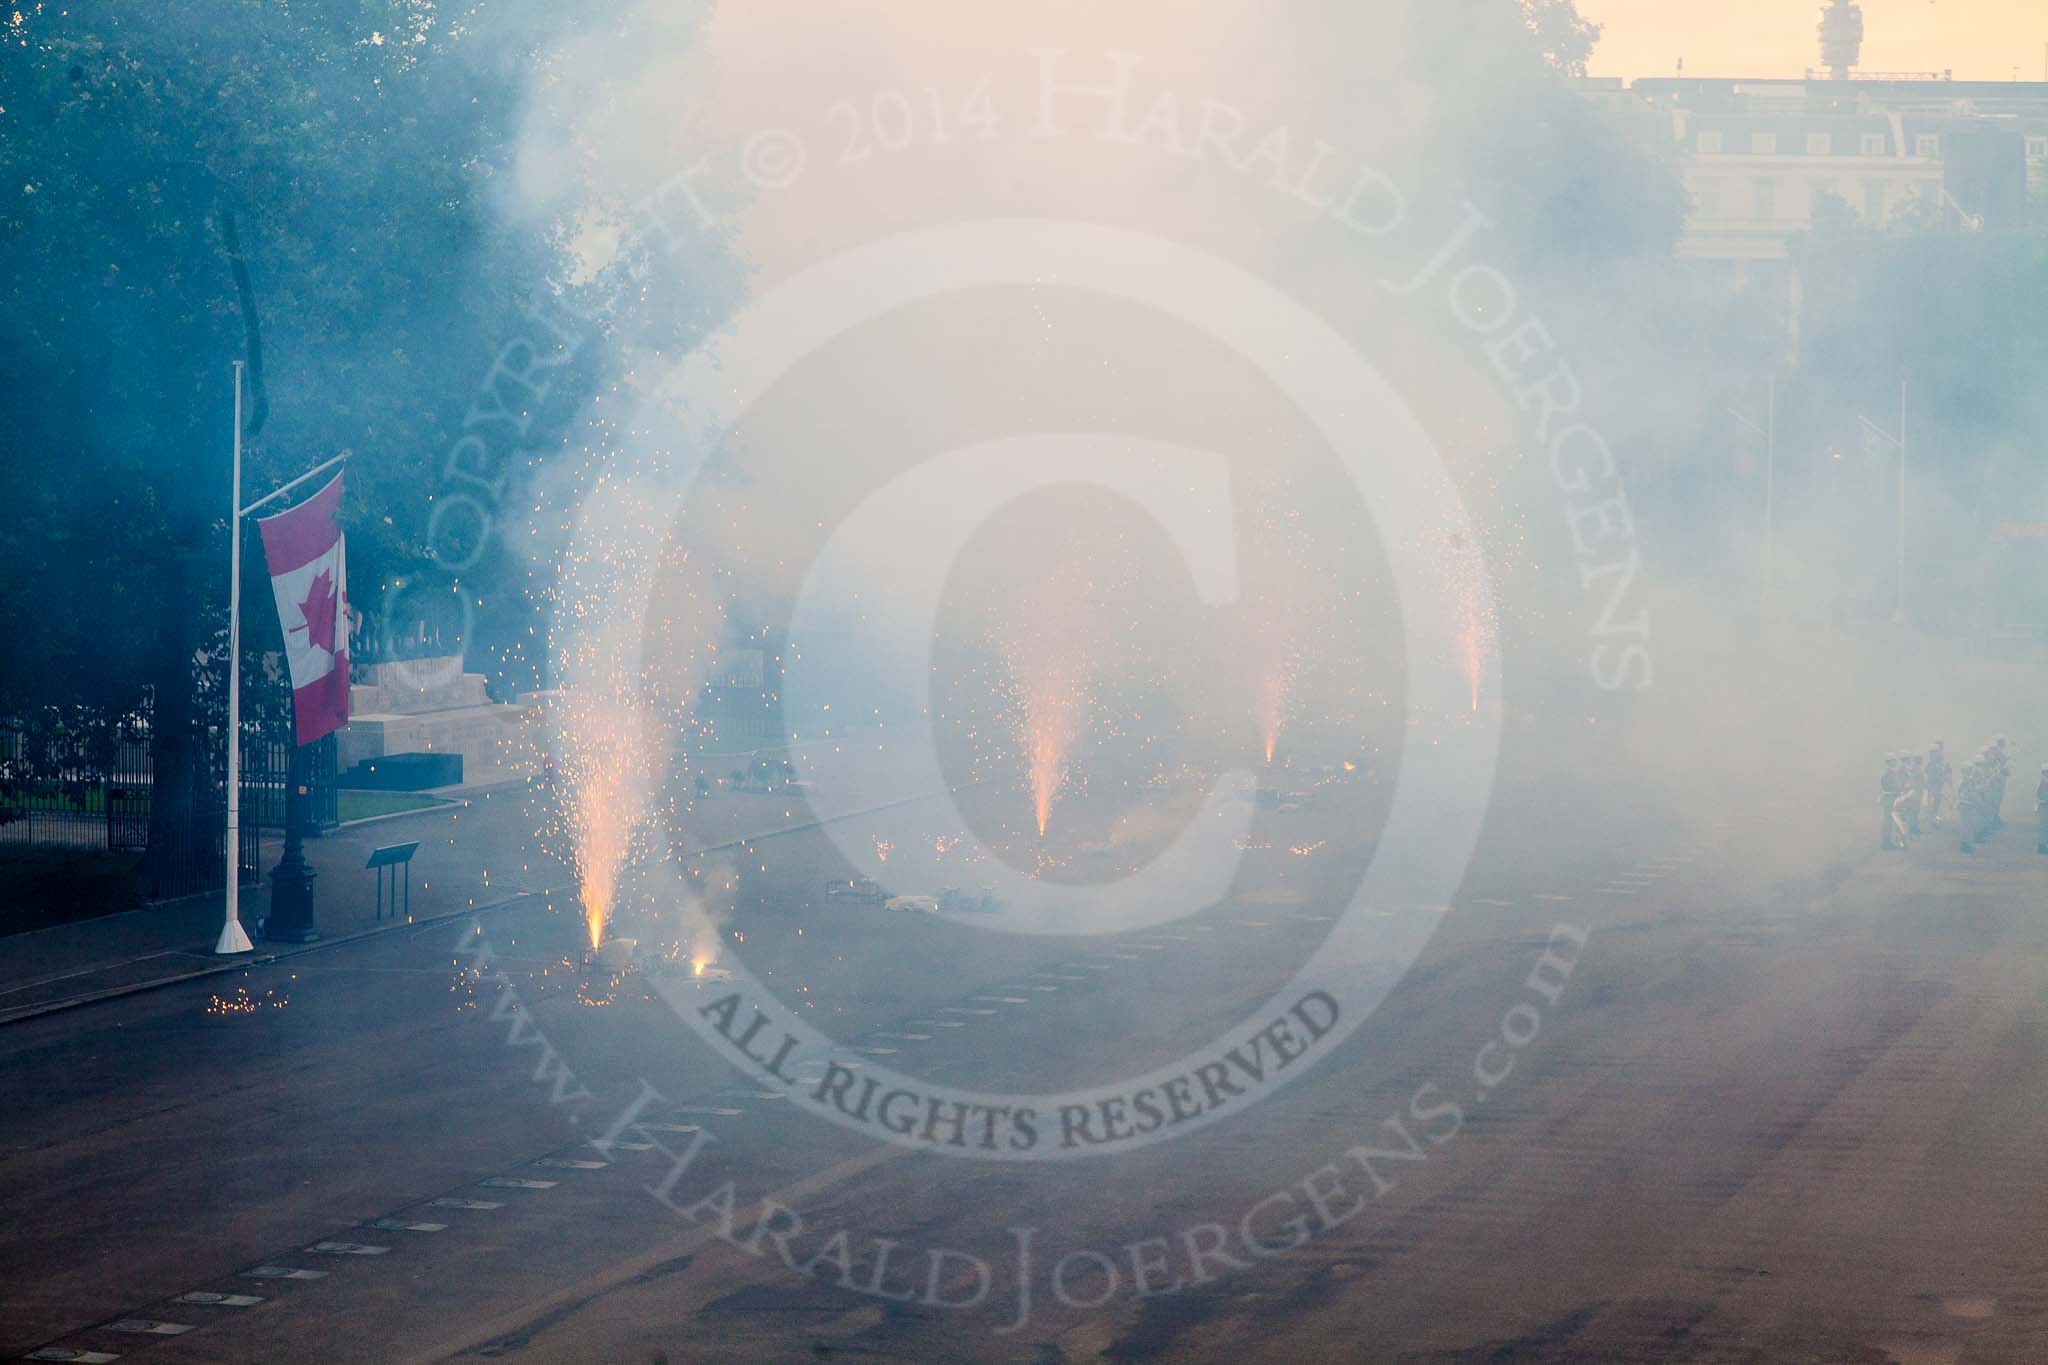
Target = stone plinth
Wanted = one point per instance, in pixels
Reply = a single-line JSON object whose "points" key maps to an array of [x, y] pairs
{"points": [[432, 706], [414, 687]]}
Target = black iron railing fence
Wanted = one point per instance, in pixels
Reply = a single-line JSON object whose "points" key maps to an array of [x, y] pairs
{"points": [[87, 782]]}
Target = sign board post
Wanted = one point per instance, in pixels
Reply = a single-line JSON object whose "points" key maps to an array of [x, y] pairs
{"points": [[397, 858]]}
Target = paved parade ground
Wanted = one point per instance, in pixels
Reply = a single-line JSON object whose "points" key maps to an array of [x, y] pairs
{"points": [[1047, 683], [1772, 1093]]}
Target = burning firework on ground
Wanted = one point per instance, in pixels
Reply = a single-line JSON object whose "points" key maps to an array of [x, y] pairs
{"points": [[604, 768], [630, 635], [1478, 618], [1276, 694], [1046, 693], [700, 934], [1052, 704], [1474, 641]]}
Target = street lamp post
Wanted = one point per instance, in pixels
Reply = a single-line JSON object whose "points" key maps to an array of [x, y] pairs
{"points": [[291, 885], [1770, 491], [291, 881], [1769, 431], [1872, 429], [1899, 599]]}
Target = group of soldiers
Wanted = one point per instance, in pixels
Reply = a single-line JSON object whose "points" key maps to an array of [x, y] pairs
{"points": [[1915, 789]]}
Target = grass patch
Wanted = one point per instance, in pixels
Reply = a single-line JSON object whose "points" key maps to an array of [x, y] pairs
{"points": [[40, 887], [353, 805], [79, 800]]}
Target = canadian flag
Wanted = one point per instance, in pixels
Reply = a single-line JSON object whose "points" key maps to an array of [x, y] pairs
{"points": [[309, 573]]}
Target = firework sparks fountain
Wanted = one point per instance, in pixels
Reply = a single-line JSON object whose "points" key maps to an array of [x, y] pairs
{"points": [[1478, 626], [1052, 722], [606, 719], [1473, 640], [603, 763], [1276, 691]]}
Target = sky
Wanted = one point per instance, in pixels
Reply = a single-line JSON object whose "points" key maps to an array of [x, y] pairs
{"points": [[1977, 39]]}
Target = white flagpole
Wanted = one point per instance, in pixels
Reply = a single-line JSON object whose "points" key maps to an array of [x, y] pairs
{"points": [[233, 938]]}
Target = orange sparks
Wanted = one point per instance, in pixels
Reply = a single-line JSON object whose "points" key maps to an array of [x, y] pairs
{"points": [[1047, 698], [605, 769], [1474, 648], [630, 635], [1275, 692], [1048, 690], [1052, 721], [1478, 625]]}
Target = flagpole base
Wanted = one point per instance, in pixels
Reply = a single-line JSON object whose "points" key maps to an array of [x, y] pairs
{"points": [[233, 939]]}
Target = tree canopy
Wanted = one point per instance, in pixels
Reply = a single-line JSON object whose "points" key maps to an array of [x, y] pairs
{"points": [[313, 187], [1567, 40]]}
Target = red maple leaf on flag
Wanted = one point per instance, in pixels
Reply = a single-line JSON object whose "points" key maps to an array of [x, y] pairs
{"points": [[318, 609]]}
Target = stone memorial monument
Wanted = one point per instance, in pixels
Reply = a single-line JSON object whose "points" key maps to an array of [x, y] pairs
{"points": [[432, 706]]}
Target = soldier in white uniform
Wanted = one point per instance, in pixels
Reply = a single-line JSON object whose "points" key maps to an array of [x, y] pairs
{"points": [[1889, 789], [2041, 813]]}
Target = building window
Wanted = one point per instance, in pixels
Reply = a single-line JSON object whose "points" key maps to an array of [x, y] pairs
{"points": [[2037, 149], [1873, 201], [1873, 144], [1710, 144], [1819, 144], [1927, 145], [1706, 198], [1764, 194], [1764, 144]]}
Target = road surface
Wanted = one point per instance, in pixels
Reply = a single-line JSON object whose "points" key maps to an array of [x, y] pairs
{"points": [[1782, 1102]]}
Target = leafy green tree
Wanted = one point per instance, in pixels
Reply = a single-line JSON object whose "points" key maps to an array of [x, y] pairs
{"points": [[306, 185], [1566, 39], [1953, 315]]}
